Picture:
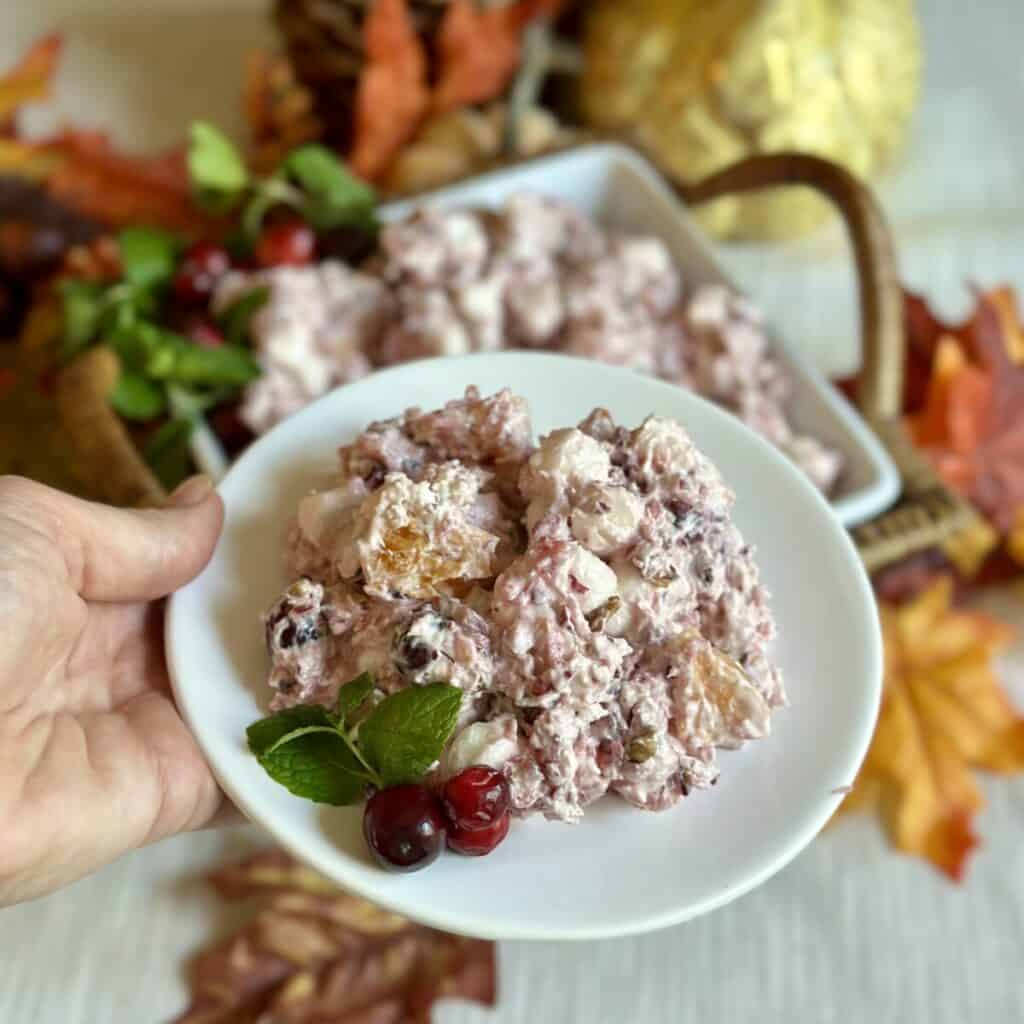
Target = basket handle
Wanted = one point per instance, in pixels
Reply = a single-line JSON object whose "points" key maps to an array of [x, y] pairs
{"points": [[880, 391]]}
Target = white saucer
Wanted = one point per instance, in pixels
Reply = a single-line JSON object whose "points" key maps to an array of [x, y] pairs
{"points": [[621, 871]]}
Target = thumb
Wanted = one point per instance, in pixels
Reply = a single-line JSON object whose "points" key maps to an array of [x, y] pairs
{"points": [[115, 554]]}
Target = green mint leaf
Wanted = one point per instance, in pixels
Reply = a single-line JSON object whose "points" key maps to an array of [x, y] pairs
{"points": [[216, 168], [265, 733], [406, 732], [164, 355], [317, 765], [167, 452], [213, 367], [136, 343], [300, 749], [352, 696], [234, 321], [82, 303], [295, 734], [148, 256], [137, 398], [334, 196]]}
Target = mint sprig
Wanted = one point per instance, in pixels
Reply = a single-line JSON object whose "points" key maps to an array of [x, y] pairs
{"points": [[310, 180], [332, 756]]}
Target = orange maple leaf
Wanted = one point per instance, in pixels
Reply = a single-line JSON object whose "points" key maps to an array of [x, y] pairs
{"points": [[30, 79], [943, 715], [479, 53], [392, 97], [971, 426]]}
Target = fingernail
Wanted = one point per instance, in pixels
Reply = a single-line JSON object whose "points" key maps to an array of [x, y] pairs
{"points": [[194, 491]]}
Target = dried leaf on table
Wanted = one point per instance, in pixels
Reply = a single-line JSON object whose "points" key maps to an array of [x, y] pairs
{"points": [[313, 954], [29, 80], [278, 108], [392, 97], [943, 716], [971, 426]]}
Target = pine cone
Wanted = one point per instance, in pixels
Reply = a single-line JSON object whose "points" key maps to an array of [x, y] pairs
{"points": [[324, 39]]}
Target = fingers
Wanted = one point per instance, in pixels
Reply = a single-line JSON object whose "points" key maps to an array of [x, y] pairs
{"points": [[112, 554], [79, 792]]}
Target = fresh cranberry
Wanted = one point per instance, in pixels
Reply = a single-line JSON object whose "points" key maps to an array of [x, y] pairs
{"points": [[478, 842], [287, 243], [203, 265], [476, 798], [404, 827], [204, 334]]}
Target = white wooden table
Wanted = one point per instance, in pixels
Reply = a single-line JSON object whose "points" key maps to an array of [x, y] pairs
{"points": [[851, 931]]}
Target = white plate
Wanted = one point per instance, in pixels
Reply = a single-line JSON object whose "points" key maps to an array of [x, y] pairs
{"points": [[622, 870], [622, 190]]}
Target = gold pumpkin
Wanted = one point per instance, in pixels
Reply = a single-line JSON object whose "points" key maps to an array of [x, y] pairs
{"points": [[701, 83]]}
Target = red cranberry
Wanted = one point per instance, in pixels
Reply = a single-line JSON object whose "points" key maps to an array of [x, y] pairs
{"points": [[404, 827], [476, 798], [478, 842], [288, 243], [204, 334], [203, 265]]}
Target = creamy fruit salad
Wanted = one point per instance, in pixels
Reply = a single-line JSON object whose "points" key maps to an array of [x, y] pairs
{"points": [[535, 274], [589, 602]]}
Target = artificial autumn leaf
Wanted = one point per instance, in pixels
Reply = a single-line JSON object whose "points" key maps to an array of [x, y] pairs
{"points": [[392, 96], [479, 54], [1015, 539], [921, 331], [479, 49], [313, 954], [26, 160], [1001, 303], [943, 715], [29, 81], [972, 424], [119, 189], [278, 108]]}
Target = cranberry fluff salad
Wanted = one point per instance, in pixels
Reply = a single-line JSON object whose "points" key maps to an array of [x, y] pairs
{"points": [[535, 274], [590, 599]]}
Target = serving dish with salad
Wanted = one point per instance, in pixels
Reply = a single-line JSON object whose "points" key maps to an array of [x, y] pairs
{"points": [[305, 284], [485, 620]]}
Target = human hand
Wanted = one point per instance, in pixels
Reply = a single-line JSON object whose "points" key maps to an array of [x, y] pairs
{"points": [[94, 759]]}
